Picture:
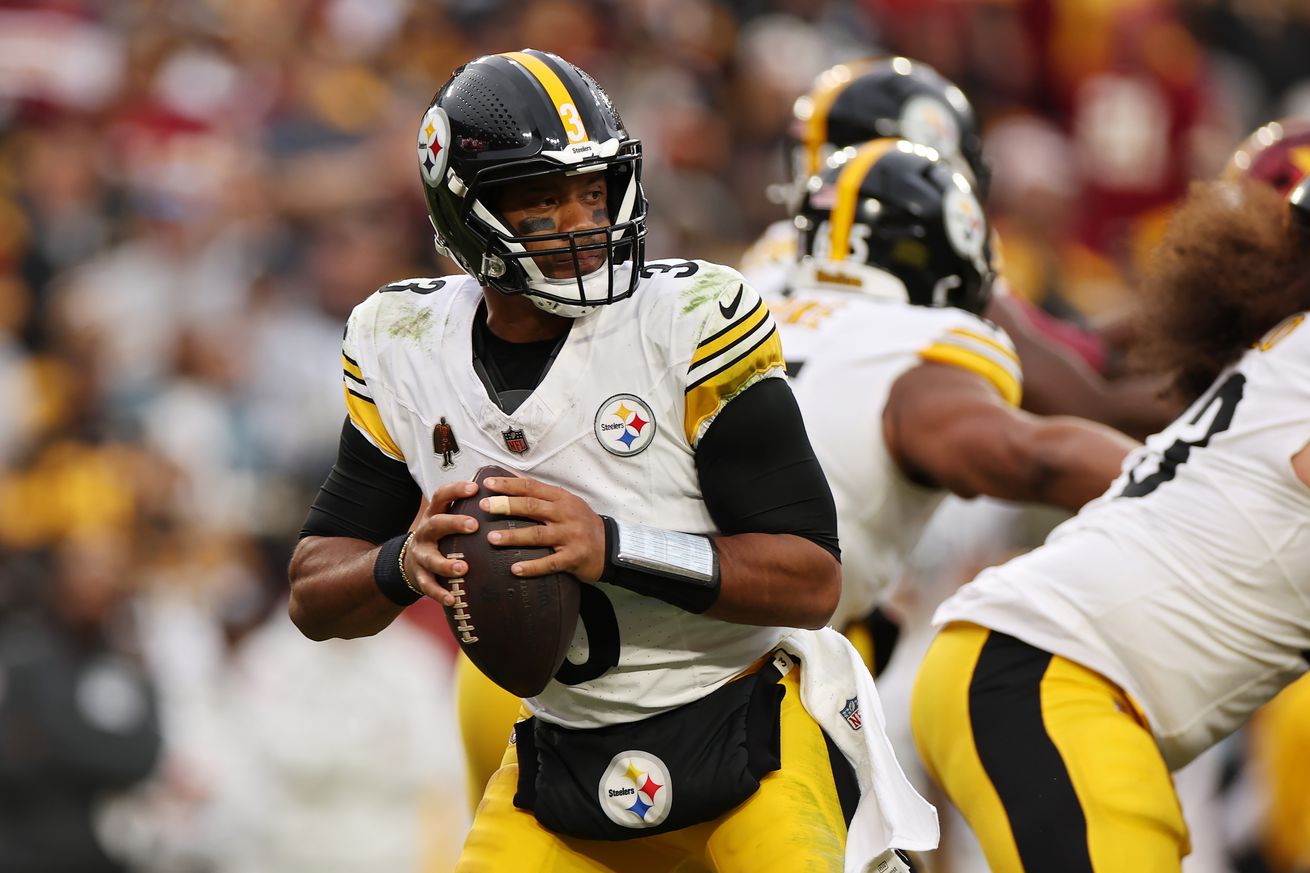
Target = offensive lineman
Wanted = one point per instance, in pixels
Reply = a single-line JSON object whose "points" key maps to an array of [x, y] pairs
{"points": [[1065, 685], [907, 393], [669, 466]]}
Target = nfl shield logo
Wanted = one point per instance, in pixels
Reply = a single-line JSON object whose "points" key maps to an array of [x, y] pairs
{"points": [[515, 441], [851, 712]]}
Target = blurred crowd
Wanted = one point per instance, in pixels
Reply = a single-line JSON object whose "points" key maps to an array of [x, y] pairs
{"points": [[193, 196]]}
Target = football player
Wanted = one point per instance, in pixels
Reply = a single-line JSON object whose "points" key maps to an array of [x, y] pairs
{"points": [[666, 459], [853, 103], [1065, 685], [907, 392], [898, 97]]}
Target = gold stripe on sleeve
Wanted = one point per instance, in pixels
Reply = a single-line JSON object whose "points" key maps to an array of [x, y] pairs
{"points": [[706, 399], [364, 413], [713, 346], [1003, 380], [986, 340]]}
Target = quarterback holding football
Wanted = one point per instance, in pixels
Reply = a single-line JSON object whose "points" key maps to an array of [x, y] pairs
{"points": [[694, 722]]}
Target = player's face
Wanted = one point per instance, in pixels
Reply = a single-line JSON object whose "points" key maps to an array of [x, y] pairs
{"points": [[559, 204]]}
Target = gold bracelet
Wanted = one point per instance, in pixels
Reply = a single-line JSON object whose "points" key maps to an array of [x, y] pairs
{"points": [[404, 547]]}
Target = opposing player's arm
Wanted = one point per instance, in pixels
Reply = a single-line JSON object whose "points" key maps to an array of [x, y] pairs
{"points": [[1060, 383], [950, 427]]}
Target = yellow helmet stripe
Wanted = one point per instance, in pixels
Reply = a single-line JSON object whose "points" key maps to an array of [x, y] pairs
{"points": [[848, 192], [569, 115], [829, 87]]}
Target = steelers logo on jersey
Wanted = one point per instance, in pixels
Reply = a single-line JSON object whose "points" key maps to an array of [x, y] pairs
{"points": [[625, 425], [636, 790]]}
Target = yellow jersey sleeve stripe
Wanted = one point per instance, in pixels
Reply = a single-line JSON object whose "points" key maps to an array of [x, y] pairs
{"points": [[731, 334], [364, 413], [848, 192], [352, 369], [986, 340], [1001, 378], [706, 397], [565, 106]]}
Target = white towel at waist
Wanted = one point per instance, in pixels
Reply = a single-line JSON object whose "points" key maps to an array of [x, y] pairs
{"points": [[838, 693]]}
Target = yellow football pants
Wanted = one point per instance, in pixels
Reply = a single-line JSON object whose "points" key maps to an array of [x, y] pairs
{"points": [[1052, 764], [487, 714], [792, 824], [1280, 742]]}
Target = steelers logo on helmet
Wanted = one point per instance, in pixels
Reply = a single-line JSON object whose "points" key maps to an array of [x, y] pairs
{"points": [[433, 139], [963, 216], [636, 790], [625, 425], [928, 121]]}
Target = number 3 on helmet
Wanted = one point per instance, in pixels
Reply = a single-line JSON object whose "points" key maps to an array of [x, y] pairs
{"points": [[507, 118]]}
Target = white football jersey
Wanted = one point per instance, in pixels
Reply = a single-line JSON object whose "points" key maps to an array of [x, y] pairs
{"points": [[616, 420], [844, 352], [1188, 582]]}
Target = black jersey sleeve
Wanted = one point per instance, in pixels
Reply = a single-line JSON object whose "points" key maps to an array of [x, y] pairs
{"points": [[367, 495], [758, 472]]}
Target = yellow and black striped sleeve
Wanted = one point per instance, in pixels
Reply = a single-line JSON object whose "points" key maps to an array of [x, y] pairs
{"points": [[363, 407], [982, 349], [737, 346]]}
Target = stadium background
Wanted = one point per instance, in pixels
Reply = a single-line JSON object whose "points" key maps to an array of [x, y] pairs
{"points": [[193, 195]]}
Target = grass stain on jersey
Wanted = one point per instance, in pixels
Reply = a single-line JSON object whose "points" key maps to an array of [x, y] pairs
{"points": [[707, 287], [414, 325]]}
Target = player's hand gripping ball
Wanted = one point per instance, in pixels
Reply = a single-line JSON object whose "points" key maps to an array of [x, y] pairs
{"points": [[516, 630]]}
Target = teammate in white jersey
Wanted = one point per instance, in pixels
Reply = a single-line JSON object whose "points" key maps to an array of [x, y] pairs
{"points": [[1066, 684], [643, 403], [907, 393], [898, 97]]}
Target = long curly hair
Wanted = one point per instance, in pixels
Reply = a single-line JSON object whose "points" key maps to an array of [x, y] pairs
{"points": [[1232, 265]]}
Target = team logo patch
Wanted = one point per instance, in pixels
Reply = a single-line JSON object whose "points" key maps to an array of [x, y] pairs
{"points": [[636, 790], [515, 441], [851, 712], [927, 121], [433, 138], [963, 217], [625, 425], [444, 443]]}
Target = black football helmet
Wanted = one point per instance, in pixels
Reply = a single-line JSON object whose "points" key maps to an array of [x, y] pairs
{"points": [[888, 97], [895, 220], [514, 116]]}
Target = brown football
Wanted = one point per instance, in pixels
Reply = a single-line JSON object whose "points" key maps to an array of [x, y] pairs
{"points": [[516, 630]]}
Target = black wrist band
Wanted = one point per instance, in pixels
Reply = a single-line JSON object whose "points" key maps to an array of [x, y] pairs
{"points": [[685, 588], [388, 575]]}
